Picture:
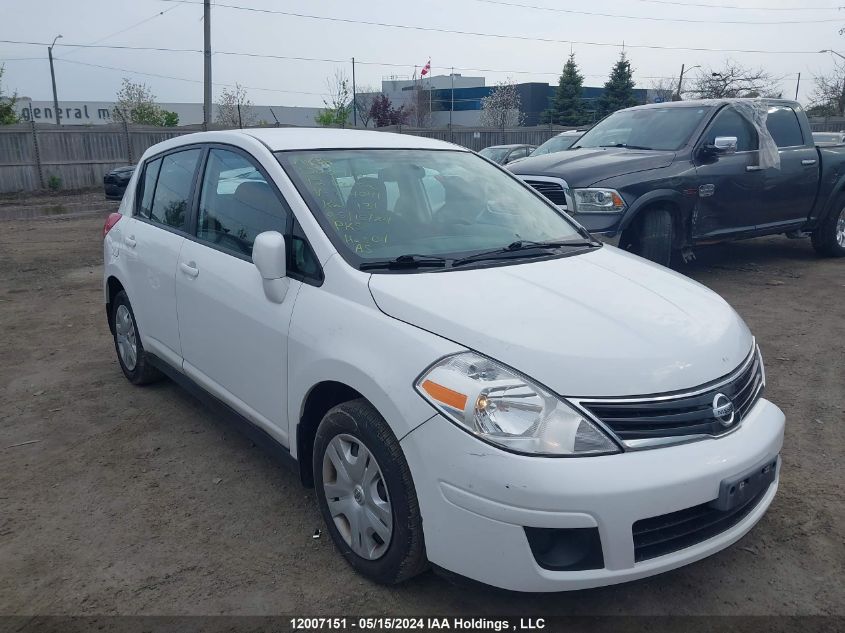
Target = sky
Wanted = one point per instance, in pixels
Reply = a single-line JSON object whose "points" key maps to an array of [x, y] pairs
{"points": [[534, 38]]}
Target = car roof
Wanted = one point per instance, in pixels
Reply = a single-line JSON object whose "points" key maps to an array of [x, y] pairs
{"points": [[571, 132], [281, 139], [715, 103], [508, 146]]}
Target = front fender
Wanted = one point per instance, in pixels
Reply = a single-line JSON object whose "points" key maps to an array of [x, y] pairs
{"points": [[652, 198]]}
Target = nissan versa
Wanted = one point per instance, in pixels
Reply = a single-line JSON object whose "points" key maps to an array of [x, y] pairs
{"points": [[468, 379]]}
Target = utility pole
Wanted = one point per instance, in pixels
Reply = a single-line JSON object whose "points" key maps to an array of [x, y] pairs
{"points": [[680, 81], [53, 77], [797, 85], [452, 107], [206, 101], [354, 97]]}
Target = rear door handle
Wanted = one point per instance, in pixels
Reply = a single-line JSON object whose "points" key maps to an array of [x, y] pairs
{"points": [[807, 162], [130, 241], [189, 269], [753, 168]]}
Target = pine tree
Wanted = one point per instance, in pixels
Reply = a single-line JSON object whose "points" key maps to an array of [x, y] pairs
{"points": [[567, 107], [619, 88]]}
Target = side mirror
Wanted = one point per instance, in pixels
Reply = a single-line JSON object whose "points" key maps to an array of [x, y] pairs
{"points": [[725, 144], [268, 255]]}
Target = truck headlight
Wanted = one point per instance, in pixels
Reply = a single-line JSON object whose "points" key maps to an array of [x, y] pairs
{"points": [[504, 408], [598, 201]]}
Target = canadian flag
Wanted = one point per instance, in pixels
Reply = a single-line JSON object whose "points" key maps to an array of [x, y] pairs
{"points": [[426, 69]]}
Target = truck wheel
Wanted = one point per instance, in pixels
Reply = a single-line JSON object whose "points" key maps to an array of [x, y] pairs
{"points": [[654, 237], [829, 238], [366, 494]]}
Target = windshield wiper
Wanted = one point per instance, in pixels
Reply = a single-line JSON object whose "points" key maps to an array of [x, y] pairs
{"points": [[407, 261], [626, 146], [513, 250]]}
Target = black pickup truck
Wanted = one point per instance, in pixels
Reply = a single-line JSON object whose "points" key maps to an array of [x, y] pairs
{"points": [[663, 178]]}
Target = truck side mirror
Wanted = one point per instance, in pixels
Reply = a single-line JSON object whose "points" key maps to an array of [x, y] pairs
{"points": [[269, 257], [725, 144]]}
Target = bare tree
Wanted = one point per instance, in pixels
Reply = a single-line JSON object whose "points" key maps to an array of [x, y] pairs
{"points": [[502, 107], [337, 102], [234, 108], [364, 100], [662, 89], [733, 80], [828, 96]]}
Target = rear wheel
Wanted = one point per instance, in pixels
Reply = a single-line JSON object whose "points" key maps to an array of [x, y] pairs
{"points": [[653, 236], [366, 494], [127, 343], [829, 238]]}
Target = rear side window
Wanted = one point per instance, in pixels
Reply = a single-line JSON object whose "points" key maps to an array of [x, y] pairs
{"points": [[148, 187], [171, 199], [729, 122], [237, 203], [784, 127]]}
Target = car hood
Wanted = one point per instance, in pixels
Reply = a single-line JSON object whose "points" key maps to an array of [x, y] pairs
{"points": [[586, 166], [605, 323]]}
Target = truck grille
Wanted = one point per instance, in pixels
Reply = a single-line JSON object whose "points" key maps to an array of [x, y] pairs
{"points": [[643, 421], [552, 190], [671, 532]]}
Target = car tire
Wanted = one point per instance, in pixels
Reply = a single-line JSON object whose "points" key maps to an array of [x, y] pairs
{"points": [[363, 483], [829, 238], [133, 360], [654, 237]]}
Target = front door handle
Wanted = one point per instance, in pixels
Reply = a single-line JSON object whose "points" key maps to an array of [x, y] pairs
{"points": [[753, 168], [807, 162], [189, 269], [130, 241]]}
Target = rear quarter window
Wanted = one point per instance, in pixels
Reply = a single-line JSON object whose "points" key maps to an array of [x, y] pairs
{"points": [[783, 125]]}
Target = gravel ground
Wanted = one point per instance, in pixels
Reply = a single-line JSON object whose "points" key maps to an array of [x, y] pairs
{"points": [[123, 500]]}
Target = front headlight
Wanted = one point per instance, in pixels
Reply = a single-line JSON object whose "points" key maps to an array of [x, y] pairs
{"points": [[598, 201], [504, 408]]}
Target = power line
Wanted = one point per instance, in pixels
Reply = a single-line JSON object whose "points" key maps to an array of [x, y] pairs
{"points": [[734, 7], [529, 38], [653, 18]]}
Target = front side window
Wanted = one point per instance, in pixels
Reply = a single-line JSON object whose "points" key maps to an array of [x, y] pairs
{"points": [[729, 122], [381, 203], [237, 203], [171, 199], [784, 127], [647, 128]]}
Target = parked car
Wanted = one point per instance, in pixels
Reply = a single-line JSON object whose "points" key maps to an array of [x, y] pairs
{"points": [[115, 182], [473, 383], [829, 138], [504, 154], [664, 177], [559, 143]]}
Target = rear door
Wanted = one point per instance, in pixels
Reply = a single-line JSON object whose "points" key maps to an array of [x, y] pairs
{"points": [[152, 241], [234, 339], [789, 191], [729, 185]]}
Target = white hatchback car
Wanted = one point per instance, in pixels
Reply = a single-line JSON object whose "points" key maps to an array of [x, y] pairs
{"points": [[467, 378]]}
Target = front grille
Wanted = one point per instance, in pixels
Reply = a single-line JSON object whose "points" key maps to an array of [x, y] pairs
{"points": [[640, 420], [671, 532], [552, 190]]}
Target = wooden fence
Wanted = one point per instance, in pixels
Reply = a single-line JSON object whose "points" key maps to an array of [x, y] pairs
{"points": [[36, 156]]}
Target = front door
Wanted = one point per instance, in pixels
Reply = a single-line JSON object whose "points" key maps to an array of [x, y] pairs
{"points": [[152, 240], [730, 185], [234, 339]]}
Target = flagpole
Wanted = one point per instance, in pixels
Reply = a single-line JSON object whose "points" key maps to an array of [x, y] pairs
{"points": [[430, 113]]}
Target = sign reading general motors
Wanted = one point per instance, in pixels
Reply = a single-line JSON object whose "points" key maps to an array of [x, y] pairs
{"points": [[70, 112]]}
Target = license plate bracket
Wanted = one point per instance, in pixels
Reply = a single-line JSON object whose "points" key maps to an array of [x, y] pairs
{"points": [[738, 490]]}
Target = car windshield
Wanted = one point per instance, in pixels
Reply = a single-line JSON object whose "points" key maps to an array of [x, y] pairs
{"points": [[647, 128], [380, 204], [555, 144], [496, 154]]}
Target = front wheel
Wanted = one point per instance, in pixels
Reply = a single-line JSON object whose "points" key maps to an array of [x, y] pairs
{"points": [[829, 238], [653, 236], [366, 494]]}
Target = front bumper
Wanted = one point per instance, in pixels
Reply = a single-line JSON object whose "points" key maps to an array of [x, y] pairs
{"points": [[477, 500]]}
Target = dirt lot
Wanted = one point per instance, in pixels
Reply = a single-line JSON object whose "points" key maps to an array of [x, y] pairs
{"points": [[118, 499]]}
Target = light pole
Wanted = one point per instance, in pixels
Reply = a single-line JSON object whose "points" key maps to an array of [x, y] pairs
{"points": [[827, 50], [53, 77], [681, 79]]}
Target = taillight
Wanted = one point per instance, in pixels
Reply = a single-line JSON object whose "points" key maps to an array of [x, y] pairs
{"points": [[110, 222]]}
